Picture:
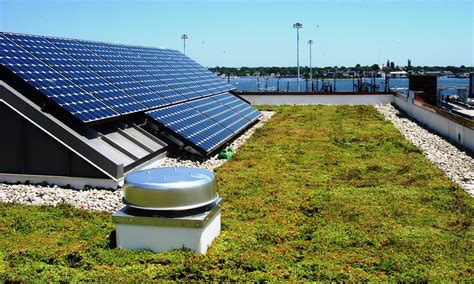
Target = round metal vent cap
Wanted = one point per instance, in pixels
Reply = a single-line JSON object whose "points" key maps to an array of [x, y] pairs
{"points": [[170, 188]]}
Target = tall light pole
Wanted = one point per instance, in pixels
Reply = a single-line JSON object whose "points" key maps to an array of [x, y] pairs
{"points": [[310, 42], [184, 37], [298, 26]]}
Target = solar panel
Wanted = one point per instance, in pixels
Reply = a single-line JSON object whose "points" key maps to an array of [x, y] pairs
{"points": [[191, 125], [160, 58], [153, 65], [238, 105], [147, 76], [219, 84], [220, 113], [78, 73], [206, 79], [55, 86], [94, 81], [110, 72], [217, 112]]}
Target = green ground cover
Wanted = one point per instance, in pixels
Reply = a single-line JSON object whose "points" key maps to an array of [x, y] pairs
{"points": [[318, 193]]}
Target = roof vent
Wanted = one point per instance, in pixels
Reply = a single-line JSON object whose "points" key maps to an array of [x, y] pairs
{"points": [[169, 208]]}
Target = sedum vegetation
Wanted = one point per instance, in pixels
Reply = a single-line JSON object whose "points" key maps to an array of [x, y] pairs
{"points": [[318, 193]]}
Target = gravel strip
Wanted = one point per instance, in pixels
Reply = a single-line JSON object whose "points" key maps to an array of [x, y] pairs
{"points": [[107, 200], [455, 163]]}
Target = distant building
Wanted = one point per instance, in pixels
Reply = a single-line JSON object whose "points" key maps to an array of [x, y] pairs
{"points": [[377, 73], [462, 75], [448, 73], [433, 73], [409, 63], [398, 74], [392, 65]]}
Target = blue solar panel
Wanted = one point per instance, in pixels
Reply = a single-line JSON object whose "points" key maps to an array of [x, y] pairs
{"points": [[238, 105], [217, 84], [78, 73], [214, 113], [110, 72], [52, 84], [158, 57], [206, 79], [95, 81], [166, 72], [148, 77], [220, 113], [193, 126]]}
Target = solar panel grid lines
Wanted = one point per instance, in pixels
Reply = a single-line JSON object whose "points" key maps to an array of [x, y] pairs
{"points": [[220, 84], [152, 80], [110, 72], [238, 105], [248, 112], [80, 74], [171, 61], [192, 125], [220, 113], [206, 116], [54, 85], [145, 60]]}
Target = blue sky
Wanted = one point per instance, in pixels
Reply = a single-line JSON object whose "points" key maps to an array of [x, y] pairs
{"points": [[260, 33]]}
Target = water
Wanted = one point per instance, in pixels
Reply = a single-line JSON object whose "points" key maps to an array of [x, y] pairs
{"points": [[254, 84]]}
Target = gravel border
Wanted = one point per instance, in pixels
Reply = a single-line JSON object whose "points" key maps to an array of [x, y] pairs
{"points": [[457, 164], [107, 200]]}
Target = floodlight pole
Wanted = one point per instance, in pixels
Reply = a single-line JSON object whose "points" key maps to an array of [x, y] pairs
{"points": [[298, 26], [310, 42], [184, 37]]}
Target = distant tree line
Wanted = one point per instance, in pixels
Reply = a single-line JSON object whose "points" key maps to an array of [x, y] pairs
{"points": [[331, 71]]}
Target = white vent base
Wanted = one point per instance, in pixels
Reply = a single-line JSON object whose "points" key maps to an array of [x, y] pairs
{"points": [[161, 238]]}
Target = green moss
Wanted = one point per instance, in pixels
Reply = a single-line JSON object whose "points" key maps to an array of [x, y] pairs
{"points": [[318, 193]]}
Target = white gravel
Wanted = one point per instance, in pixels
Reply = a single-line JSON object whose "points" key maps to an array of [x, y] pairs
{"points": [[455, 163], [107, 200]]}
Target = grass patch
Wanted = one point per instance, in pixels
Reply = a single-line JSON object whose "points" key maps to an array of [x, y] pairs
{"points": [[318, 193]]}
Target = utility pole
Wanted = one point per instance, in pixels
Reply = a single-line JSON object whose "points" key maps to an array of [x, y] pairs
{"points": [[310, 42], [298, 26], [184, 37]]}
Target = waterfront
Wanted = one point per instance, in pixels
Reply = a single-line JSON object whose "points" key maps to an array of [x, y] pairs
{"points": [[271, 84]]}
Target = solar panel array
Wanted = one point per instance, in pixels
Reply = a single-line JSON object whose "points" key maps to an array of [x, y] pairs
{"points": [[207, 122], [95, 81]]}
